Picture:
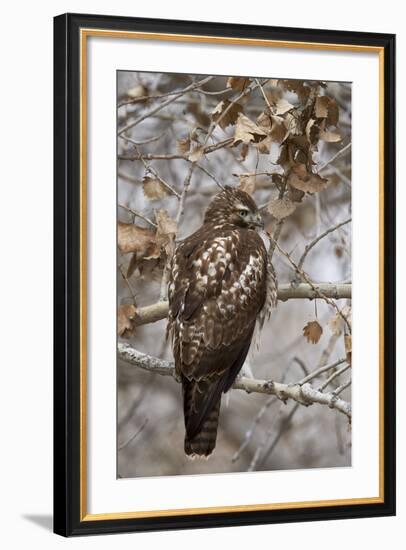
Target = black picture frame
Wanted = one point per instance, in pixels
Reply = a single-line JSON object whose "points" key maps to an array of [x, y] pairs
{"points": [[67, 350]]}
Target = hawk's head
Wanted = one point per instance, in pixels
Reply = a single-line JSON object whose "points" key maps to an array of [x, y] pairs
{"points": [[233, 206]]}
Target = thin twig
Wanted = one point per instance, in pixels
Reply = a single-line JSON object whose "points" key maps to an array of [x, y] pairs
{"points": [[263, 93], [335, 375], [127, 282], [164, 104], [144, 142], [138, 215], [259, 460], [203, 169], [333, 158], [343, 387], [250, 432], [135, 434], [320, 370], [174, 156], [318, 239], [152, 170]]}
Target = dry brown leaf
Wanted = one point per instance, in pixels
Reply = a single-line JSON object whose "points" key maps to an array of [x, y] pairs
{"points": [[348, 347], [330, 137], [199, 113], [244, 152], [196, 154], [292, 124], [312, 131], [295, 195], [273, 125], [337, 324], [298, 87], [154, 189], [264, 121], [301, 179], [166, 231], [281, 208], [125, 319], [312, 332], [183, 146], [264, 146], [238, 83], [247, 183], [247, 131], [283, 106], [321, 106], [338, 251], [327, 108], [166, 224], [283, 157], [278, 130], [231, 115], [133, 238]]}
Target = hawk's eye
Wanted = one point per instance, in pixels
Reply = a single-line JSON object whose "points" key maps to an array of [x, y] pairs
{"points": [[243, 213]]}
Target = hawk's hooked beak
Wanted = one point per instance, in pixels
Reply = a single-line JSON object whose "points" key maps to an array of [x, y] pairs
{"points": [[257, 221]]}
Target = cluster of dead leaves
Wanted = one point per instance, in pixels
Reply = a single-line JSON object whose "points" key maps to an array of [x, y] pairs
{"points": [[296, 129], [150, 248]]}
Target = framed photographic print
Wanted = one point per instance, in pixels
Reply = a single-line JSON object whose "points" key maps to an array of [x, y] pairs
{"points": [[224, 274]]}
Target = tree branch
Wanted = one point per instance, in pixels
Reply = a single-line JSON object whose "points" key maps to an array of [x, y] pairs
{"points": [[305, 277], [158, 311], [177, 156], [304, 394], [164, 104], [333, 158], [319, 238]]}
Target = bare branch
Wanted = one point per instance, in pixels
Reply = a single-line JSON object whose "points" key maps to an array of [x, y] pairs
{"points": [[152, 170], [333, 158], [306, 278], [304, 394], [260, 457], [333, 377], [138, 215], [127, 282], [134, 435], [343, 387], [318, 239], [320, 370], [152, 156], [145, 141], [158, 311], [152, 313], [164, 104]]}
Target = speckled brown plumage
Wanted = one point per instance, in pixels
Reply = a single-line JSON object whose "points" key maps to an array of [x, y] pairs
{"points": [[220, 281]]}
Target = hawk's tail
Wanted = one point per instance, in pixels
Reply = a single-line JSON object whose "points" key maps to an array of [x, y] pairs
{"points": [[204, 441], [201, 403]]}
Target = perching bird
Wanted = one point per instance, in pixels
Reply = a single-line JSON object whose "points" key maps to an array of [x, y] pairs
{"points": [[221, 284]]}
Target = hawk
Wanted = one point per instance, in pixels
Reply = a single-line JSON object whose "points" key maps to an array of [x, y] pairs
{"points": [[221, 283]]}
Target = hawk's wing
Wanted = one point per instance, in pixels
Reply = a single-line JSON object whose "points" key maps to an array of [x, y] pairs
{"points": [[217, 288]]}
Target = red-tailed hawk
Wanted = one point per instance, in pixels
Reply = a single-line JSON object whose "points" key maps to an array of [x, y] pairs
{"points": [[220, 284]]}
